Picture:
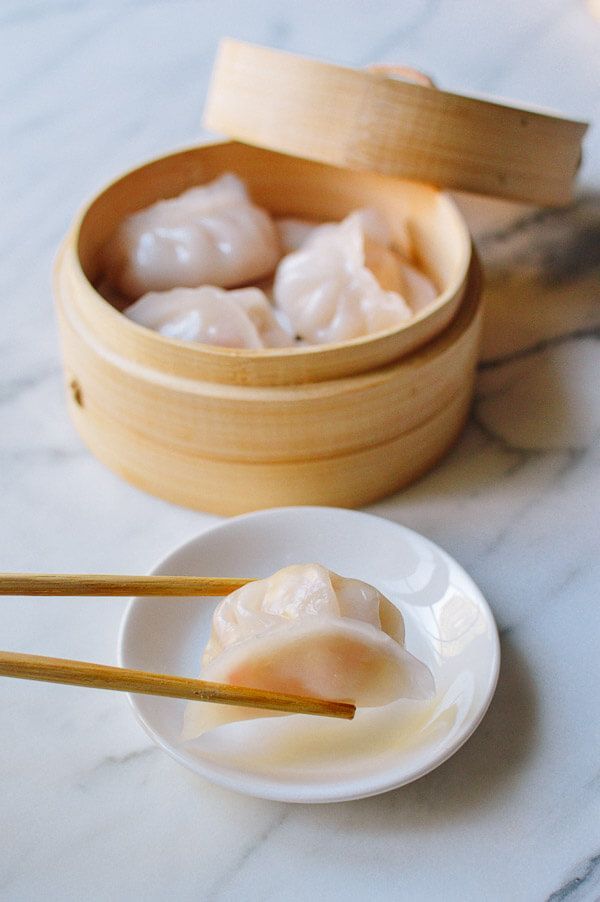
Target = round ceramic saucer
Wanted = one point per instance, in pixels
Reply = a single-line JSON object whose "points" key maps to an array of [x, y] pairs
{"points": [[303, 758]]}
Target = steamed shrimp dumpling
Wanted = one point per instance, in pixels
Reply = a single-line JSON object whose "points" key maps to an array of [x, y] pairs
{"points": [[395, 274], [416, 287], [295, 232], [234, 319], [386, 256], [307, 631], [328, 292], [209, 235]]}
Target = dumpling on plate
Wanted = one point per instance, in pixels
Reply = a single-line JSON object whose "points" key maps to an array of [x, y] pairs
{"points": [[209, 235], [307, 631], [327, 291], [241, 318]]}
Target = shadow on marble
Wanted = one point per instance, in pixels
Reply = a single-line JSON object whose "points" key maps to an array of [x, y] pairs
{"points": [[476, 464], [478, 776]]}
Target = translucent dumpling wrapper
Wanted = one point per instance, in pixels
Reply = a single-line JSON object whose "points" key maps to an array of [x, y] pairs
{"points": [[307, 631], [328, 292], [384, 255], [241, 318], [395, 274], [209, 235], [294, 232], [416, 287]]}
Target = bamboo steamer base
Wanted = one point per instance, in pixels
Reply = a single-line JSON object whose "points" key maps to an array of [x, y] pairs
{"points": [[230, 430], [232, 481], [231, 487], [251, 424]]}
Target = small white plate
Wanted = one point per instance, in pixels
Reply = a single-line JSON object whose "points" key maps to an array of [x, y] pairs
{"points": [[315, 759]]}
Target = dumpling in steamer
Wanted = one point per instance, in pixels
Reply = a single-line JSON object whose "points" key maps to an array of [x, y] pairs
{"points": [[328, 292], [233, 319], [386, 256], [209, 235], [307, 631], [395, 274], [294, 232], [416, 287]]}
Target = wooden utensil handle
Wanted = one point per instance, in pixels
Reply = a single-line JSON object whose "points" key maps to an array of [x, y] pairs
{"points": [[109, 584], [101, 676]]}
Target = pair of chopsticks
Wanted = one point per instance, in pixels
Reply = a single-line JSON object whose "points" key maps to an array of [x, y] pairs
{"points": [[100, 676]]}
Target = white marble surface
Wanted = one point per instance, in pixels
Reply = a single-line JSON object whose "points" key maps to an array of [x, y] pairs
{"points": [[89, 809]]}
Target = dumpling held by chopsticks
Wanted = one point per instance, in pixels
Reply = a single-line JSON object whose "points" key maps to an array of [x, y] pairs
{"points": [[307, 631]]}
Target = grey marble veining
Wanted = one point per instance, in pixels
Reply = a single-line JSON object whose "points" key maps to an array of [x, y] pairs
{"points": [[89, 808]]}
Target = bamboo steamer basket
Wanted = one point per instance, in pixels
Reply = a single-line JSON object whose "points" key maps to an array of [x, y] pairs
{"points": [[229, 431]]}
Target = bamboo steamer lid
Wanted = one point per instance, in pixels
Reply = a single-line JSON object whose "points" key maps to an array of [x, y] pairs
{"points": [[362, 119]]}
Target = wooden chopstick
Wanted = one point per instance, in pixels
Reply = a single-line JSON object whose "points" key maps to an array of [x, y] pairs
{"points": [[115, 584], [100, 676]]}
